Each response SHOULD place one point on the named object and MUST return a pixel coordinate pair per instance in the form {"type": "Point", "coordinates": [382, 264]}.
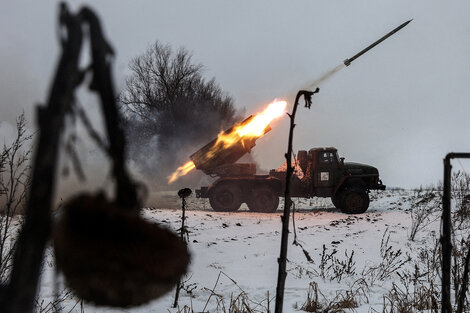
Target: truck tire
{"type": "Point", "coordinates": [336, 199]}
{"type": "Point", "coordinates": [225, 197]}
{"type": "Point", "coordinates": [263, 199]}
{"type": "Point", "coordinates": [354, 200]}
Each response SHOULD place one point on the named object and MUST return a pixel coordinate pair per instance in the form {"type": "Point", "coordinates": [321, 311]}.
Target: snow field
{"type": "Point", "coordinates": [239, 250]}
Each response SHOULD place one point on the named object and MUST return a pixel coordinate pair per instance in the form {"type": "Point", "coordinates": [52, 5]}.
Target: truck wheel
{"type": "Point", "coordinates": [354, 200]}
{"type": "Point", "coordinates": [225, 198]}
{"type": "Point", "coordinates": [263, 199]}
{"type": "Point", "coordinates": [336, 199]}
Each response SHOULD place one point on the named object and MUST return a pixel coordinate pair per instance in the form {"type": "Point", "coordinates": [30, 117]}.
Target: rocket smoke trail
{"type": "Point", "coordinates": [325, 76]}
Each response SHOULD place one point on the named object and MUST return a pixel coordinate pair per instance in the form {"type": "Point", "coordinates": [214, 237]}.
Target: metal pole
{"type": "Point", "coordinates": [446, 238]}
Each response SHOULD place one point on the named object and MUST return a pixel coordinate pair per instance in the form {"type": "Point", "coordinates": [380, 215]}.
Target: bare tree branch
{"type": "Point", "coordinates": [169, 103]}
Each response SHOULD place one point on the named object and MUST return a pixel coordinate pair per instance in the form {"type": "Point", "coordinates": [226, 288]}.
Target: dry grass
{"type": "Point", "coordinates": [316, 302]}
{"type": "Point", "coordinates": [392, 260]}
{"type": "Point", "coordinates": [423, 297]}
{"type": "Point", "coordinates": [425, 203]}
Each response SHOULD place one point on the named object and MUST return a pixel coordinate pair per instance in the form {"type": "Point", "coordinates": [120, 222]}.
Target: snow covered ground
{"type": "Point", "coordinates": [239, 251]}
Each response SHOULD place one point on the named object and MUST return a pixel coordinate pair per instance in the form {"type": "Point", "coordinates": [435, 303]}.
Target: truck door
{"type": "Point", "coordinates": [325, 172]}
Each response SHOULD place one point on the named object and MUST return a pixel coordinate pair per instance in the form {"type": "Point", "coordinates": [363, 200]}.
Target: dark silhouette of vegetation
{"type": "Point", "coordinates": [172, 107]}
{"type": "Point", "coordinates": [14, 183]}
{"type": "Point", "coordinates": [282, 261]}
{"type": "Point", "coordinates": [92, 232]}
{"type": "Point", "coordinates": [183, 194]}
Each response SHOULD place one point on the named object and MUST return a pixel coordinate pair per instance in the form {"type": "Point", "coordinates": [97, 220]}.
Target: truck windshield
{"type": "Point", "coordinates": [328, 157]}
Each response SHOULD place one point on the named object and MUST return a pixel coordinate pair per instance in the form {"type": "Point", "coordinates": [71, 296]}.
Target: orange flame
{"type": "Point", "coordinates": [255, 128]}
{"type": "Point", "coordinates": [181, 171]}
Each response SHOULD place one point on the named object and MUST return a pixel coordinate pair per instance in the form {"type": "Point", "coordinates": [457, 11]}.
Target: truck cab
{"type": "Point", "coordinates": [347, 183]}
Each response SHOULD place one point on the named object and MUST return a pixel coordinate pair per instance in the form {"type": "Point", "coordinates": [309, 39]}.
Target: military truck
{"type": "Point", "coordinates": [318, 173]}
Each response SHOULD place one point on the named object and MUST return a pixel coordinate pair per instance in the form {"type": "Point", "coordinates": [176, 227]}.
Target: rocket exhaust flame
{"type": "Point", "coordinates": [256, 127]}
{"type": "Point", "coordinates": [252, 128]}
{"type": "Point", "coordinates": [181, 171]}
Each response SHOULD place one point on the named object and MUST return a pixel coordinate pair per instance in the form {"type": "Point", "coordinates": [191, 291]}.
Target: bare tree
{"type": "Point", "coordinates": [15, 159]}
{"type": "Point", "coordinates": [171, 105]}
{"type": "Point", "coordinates": [14, 181]}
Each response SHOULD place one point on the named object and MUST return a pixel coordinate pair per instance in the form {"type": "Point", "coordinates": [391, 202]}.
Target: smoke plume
{"type": "Point", "coordinates": [325, 76]}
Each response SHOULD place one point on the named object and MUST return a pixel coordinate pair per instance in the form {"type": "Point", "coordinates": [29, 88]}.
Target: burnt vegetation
{"type": "Point", "coordinates": [171, 109]}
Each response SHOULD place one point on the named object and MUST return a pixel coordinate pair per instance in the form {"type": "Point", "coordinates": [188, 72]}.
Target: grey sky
{"type": "Point", "coordinates": [400, 107]}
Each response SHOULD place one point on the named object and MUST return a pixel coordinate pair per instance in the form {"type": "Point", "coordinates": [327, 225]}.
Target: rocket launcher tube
{"type": "Point", "coordinates": [217, 153]}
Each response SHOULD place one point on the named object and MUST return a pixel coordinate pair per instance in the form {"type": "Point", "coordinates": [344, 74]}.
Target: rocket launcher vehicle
{"type": "Point", "coordinates": [218, 158]}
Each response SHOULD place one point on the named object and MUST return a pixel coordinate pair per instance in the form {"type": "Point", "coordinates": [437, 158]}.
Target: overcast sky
{"type": "Point", "coordinates": [401, 107]}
